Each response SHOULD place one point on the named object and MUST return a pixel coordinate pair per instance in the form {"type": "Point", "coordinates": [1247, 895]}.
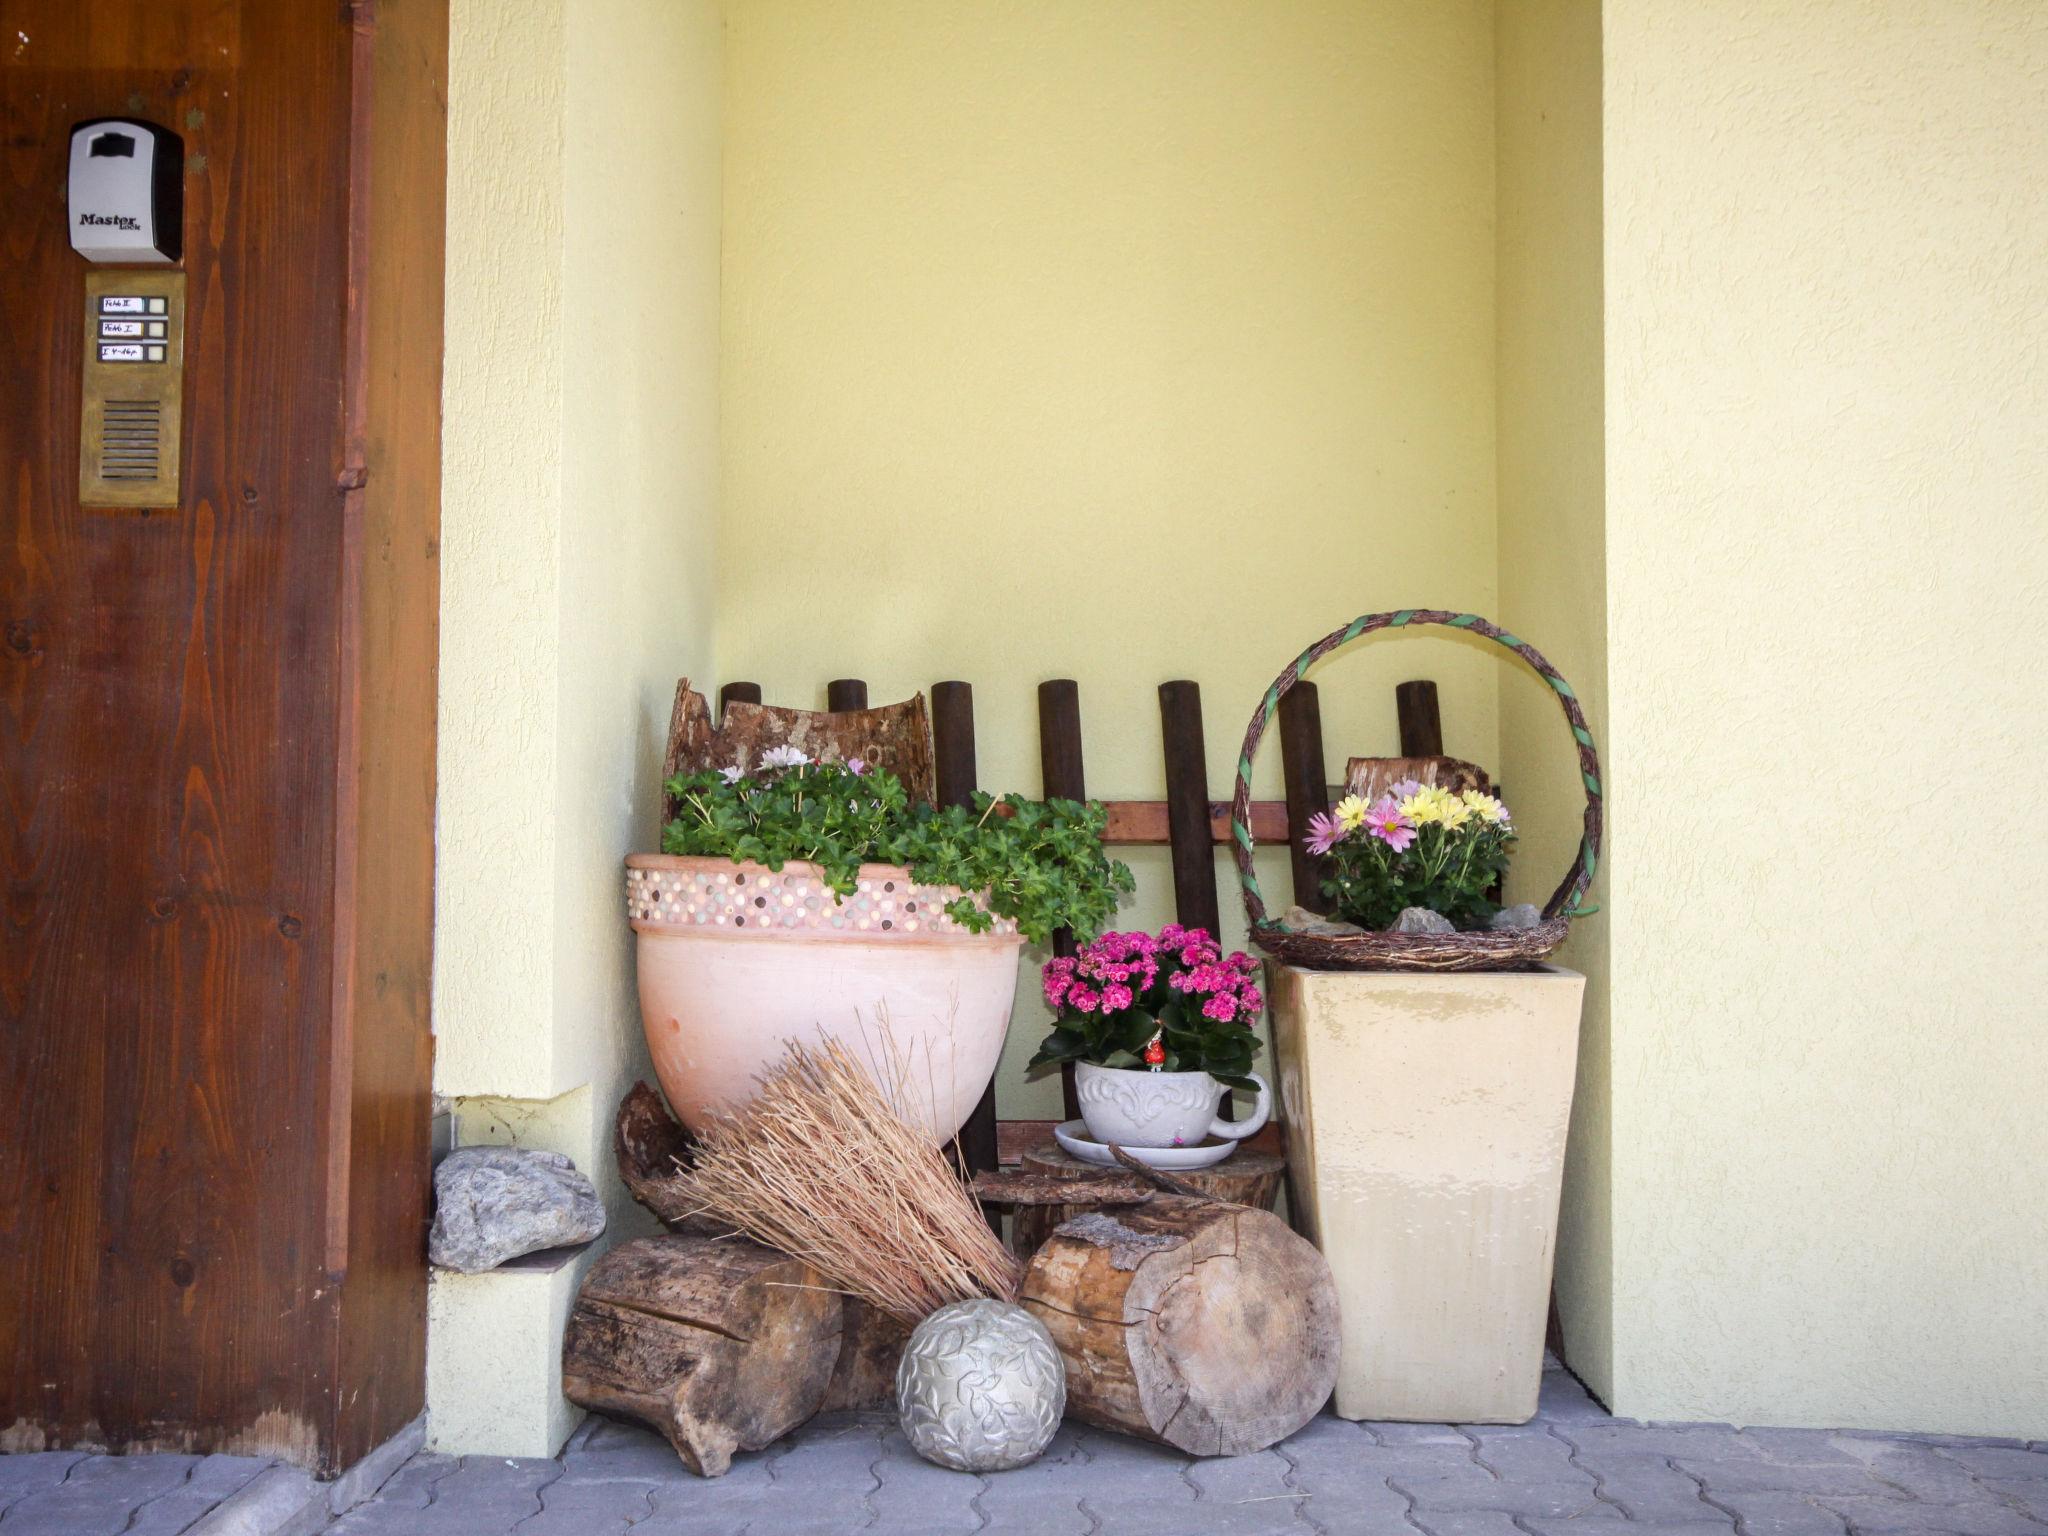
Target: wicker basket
{"type": "Point", "coordinates": [1508, 949]}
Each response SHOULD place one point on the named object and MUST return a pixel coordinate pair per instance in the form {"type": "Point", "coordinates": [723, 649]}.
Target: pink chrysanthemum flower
{"type": "Point", "coordinates": [1385, 822]}
{"type": "Point", "coordinates": [1324, 833]}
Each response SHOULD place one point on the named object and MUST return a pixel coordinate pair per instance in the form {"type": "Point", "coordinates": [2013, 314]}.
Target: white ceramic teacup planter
{"type": "Point", "coordinates": [1135, 1108]}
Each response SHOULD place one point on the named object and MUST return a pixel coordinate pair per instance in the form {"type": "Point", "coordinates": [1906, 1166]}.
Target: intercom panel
{"type": "Point", "coordinates": [134, 367]}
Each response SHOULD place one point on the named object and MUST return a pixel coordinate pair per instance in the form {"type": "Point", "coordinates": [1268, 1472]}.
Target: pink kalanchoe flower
{"type": "Point", "coordinates": [1057, 979]}
{"type": "Point", "coordinates": [1222, 1008]}
{"type": "Point", "coordinates": [1324, 833]}
{"type": "Point", "coordinates": [1116, 997]}
{"type": "Point", "coordinates": [1083, 998]}
{"type": "Point", "coordinates": [1385, 822]}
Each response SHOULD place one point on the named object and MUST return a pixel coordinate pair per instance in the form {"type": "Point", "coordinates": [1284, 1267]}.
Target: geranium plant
{"type": "Point", "coordinates": [1171, 1000]}
{"type": "Point", "coordinates": [1418, 845]}
{"type": "Point", "coordinates": [1040, 862]}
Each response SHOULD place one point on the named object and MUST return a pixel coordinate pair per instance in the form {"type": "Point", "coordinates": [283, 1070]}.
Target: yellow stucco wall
{"type": "Point", "coordinates": [1826, 260]}
{"type": "Point", "coordinates": [1122, 343]}
{"type": "Point", "coordinates": [1552, 557]}
{"type": "Point", "coordinates": [581, 413]}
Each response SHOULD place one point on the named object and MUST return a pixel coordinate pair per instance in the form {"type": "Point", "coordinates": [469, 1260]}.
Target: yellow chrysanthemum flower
{"type": "Point", "coordinates": [1350, 813]}
{"type": "Point", "coordinates": [1455, 813]}
{"type": "Point", "coordinates": [1427, 804]}
{"type": "Point", "coordinates": [1485, 807]}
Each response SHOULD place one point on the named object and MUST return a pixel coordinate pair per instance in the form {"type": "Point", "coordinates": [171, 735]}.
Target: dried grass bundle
{"type": "Point", "coordinates": [819, 1166]}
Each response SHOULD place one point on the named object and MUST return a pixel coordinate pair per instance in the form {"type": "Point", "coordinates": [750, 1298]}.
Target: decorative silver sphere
{"type": "Point", "coordinates": [981, 1387]}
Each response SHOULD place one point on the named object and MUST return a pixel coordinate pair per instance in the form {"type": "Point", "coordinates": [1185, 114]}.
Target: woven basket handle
{"type": "Point", "coordinates": [1571, 890]}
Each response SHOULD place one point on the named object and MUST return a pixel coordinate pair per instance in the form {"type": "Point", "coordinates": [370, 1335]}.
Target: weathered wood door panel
{"type": "Point", "coordinates": [181, 737]}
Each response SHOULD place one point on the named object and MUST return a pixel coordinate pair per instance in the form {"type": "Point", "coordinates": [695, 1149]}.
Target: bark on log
{"type": "Point", "coordinates": [651, 1145]}
{"type": "Point", "coordinates": [1206, 1326]}
{"type": "Point", "coordinates": [722, 1345]}
{"type": "Point", "coordinates": [1097, 1187]}
{"type": "Point", "coordinates": [897, 737]}
{"type": "Point", "coordinates": [1244, 1178]}
{"type": "Point", "coordinates": [870, 1348]}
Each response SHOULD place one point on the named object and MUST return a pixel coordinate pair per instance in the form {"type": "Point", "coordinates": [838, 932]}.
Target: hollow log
{"type": "Point", "coordinates": [1244, 1178]}
{"type": "Point", "coordinates": [722, 1345]}
{"type": "Point", "coordinates": [870, 1348]}
{"type": "Point", "coordinates": [1202, 1325]}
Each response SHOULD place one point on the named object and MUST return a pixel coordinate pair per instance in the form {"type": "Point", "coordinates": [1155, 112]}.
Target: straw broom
{"type": "Point", "coordinates": [818, 1165]}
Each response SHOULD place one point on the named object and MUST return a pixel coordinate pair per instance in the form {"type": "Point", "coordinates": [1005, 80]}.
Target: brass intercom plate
{"type": "Point", "coordinates": [134, 387]}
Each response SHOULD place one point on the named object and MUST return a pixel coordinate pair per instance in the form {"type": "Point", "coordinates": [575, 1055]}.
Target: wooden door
{"type": "Point", "coordinates": [216, 747]}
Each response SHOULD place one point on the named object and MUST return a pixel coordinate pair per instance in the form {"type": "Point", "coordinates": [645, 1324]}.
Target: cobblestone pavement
{"type": "Point", "coordinates": [1573, 1469]}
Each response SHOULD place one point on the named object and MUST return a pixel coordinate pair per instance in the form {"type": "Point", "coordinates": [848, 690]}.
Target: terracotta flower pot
{"type": "Point", "coordinates": [737, 959]}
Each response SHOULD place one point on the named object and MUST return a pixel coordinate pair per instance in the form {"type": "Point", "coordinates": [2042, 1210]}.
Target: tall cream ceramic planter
{"type": "Point", "coordinates": [1426, 1118]}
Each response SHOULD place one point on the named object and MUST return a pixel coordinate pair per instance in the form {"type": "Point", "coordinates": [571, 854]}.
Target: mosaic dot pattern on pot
{"type": "Point", "coordinates": [744, 897]}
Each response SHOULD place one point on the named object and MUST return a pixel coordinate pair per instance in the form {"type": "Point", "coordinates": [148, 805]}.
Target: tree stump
{"type": "Point", "coordinates": [1243, 1178]}
{"type": "Point", "coordinates": [1202, 1325]}
{"type": "Point", "coordinates": [870, 1348]}
{"type": "Point", "coordinates": [722, 1345]}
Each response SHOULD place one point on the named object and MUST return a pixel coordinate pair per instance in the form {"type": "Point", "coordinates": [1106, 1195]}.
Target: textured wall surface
{"type": "Point", "coordinates": [1552, 555]}
{"type": "Point", "coordinates": [582, 429]}
{"type": "Point", "coordinates": [501, 508]}
{"type": "Point", "coordinates": [1122, 343]}
{"type": "Point", "coordinates": [1827, 417]}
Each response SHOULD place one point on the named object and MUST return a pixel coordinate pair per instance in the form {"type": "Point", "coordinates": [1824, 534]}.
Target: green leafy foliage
{"type": "Point", "coordinates": [1040, 863]}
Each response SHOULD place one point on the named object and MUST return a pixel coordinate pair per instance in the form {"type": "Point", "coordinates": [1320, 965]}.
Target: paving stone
{"type": "Point", "coordinates": [1119, 1466]}
{"type": "Point", "coordinates": [1527, 1452]}
{"type": "Point", "coordinates": [1470, 1522]}
{"type": "Point", "coordinates": [1538, 1526]}
{"type": "Point", "coordinates": [1563, 1399]}
{"type": "Point", "coordinates": [1852, 1479]}
{"type": "Point", "coordinates": [629, 1453]}
{"type": "Point", "coordinates": [1800, 1447]}
{"type": "Point", "coordinates": [1716, 1442]}
{"type": "Point", "coordinates": [1781, 1514]}
{"type": "Point", "coordinates": [1923, 1471]}
{"type": "Point", "coordinates": [2022, 1493]}
{"type": "Point", "coordinates": [2000, 1460]}
{"type": "Point", "coordinates": [33, 1471]}
{"type": "Point", "coordinates": [590, 1509]}
{"type": "Point", "coordinates": [1650, 1488]}
{"type": "Point", "coordinates": [412, 1485]}
{"type": "Point", "coordinates": [1396, 1434]}
{"type": "Point", "coordinates": [477, 1494]}
{"type": "Point", "coordinates": [1235, 1479]}
{"type": "Point", "coordinates": [97, 1495]}
{"type": "Point", "coordinates": [916, 1495]}
{"type": "Point", "coordinates": [1551, 1500]}
{"type": "Point", "coordinates": [1903, 1517]}
{"type": "Point", "coordinates": [210, 1480]}
{"type": "Point", "coordinates": [1347, 1496]}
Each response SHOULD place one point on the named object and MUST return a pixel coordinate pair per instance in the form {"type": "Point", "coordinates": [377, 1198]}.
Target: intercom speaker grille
{"type": "Point", "coordinates": [131, 440]}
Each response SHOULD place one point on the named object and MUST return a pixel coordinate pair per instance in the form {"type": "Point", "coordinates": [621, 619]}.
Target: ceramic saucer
{"type": "Point", "coordinates": [1073, 1137]}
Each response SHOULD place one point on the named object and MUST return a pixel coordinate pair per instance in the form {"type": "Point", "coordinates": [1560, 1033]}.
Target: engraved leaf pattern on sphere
{"type": "Point", "coordinates": [981, 1387]}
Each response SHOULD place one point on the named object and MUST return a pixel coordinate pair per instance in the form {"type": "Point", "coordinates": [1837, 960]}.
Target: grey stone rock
{"type": "Point", "coordinates": [1301, 920]}
{"type": "Point", "coordinates": [1522, 914]}
{"type": "Point", "coordinates": [1422, 920]}
{"type": "Point", "coordinates": [497, 1203]}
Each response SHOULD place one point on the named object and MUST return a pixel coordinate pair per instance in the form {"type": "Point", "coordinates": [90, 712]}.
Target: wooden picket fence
{"type": "Point", "coordinates": [1189, 821]}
